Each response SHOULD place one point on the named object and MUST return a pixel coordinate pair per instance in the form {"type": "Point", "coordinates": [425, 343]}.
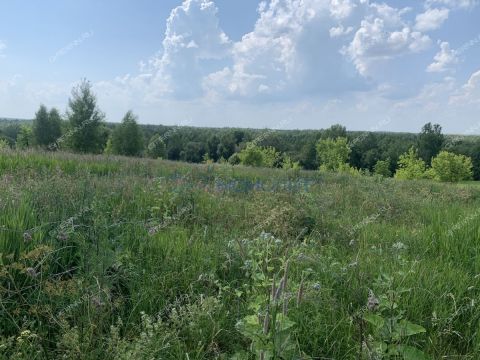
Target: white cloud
{"type": "Point", "coordinates": [340, 31]}
{"type": "Point", "coordinates": [470, 92]}
{"type": "Point", "coordinates": [431, 19]}
{"type": "Point", "coordinates": [290, 52]}
{"type": "Point", "coordinates": [376, 40]}
{"type": "Point", "coordinates": [341, 9]}
{"type": "Point", "coordinates": [193, 35]}
{"type": "Point", "coordinates": [444, 59]}
{"type": "Point", "coordinates": [455, 4]}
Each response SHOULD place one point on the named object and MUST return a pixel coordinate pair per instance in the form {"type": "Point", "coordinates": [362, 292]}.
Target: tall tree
{"type": "Point", "coordinates": [127, 138]}
{"type": "Point", "coordinates": [85, 120]}
{"type": "Point", "coordinates": [44, 133]}
{"type": "Point", "coordinates": [430, 142]}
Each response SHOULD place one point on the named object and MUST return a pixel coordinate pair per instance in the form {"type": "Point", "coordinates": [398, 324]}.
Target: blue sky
{"type": "Point", "coordinates": [370, 65]}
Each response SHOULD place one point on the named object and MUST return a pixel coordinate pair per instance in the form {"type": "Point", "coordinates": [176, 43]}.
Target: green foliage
{"type": "Point", "coordinates": [430, 142]}
{"type": "Point", "coordinates": [127, 138]}
{"type": "Point", "coordinates": [156, 148]}
{"type": "Point", "coordinates": [288, 163]}
{"type": "Point", "coordinates": [4, 145]}
{"type": "Point", "coordinates": [451, 167]}
{"type": "Point", "coordinates": [268, 327]}
{"type": "Point", "coordinates": [46, 127]}
{"type": "Point", "coordinates": [334, 132]}
{"type": "Point", "coordinates": [85, 134]}
{"type": "Point", "coordinates": [193, 152]}
{"type": "Point", "coordinates": [410, 166]}
{"type": "Point", "coordinates": [258, 156]}
{"type": "Point", "coordinates": [382, 168]}
{"type": "Point", "coordinates": [25, 138]}
{"type": "Point", "coordinates": [390, 331]}
{"type": "Point", "coordinates": [333, 154]}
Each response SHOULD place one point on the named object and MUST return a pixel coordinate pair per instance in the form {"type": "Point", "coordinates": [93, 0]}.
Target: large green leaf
{"type": "Point", "coordinates": [407, 328]}
{"type": "Point", "coordinates": [375, 320]}
{"type": "Point", "coordinates": [411, 353]}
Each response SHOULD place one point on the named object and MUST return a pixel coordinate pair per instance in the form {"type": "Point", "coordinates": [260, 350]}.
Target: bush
{"type": "Point", "coordinates": [333, 154]}
{"type": "Point", "coordinates": [258, 156]}
{"type": "Point", "coordinates": [452, 167]}
{"type": "Point", "coordinates": [410, 166]}
{"type": "Point", "coordinates": [382, 168]}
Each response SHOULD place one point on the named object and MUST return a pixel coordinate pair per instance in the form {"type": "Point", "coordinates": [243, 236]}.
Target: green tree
{"type": "Point", "coordinates": [288, 163]}
{"type": "Point", "coordinates": [212, 147]}
{"type": "Point", "coordinates": [430, 142]}
{"type": "Point", "coordinates": [127, 138]}
{"type": "Point", "coordinates": [333, 154]}
{"type": "Point", "coordinates": [334, 132]}
{"type": "Point", "coordinates": [410, 166]}
{"type": "Point", "coordinates": [251, 156]}
{"type": "Point", "coordinates": [46, 127]}
{"type": "Point", "coordinates": [258, 156]}
{"type": "Point", "coordinates": [193, 152]}
{"type": "Point", "coordinates": [382, 167]}
{"type": "Point", "coordinates": [156, 148]}
{"type": "Point", "coordinates": [85, 120]}
{"type": "Point", "coordinates": [24, 138]}
{"type": "Point", "coordinates": [4, 145]}
{"type": "Point", "coordinates": [55, 123]}
{"type": "Point", "coordinates": [308, 156]}
{"type": "Point", "coordinates": [227, 145]}
{"type": "Point", "coordinates": [447, 166]}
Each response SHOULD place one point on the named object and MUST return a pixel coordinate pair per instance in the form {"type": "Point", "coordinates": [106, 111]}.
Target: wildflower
{"type": "Point", "coordinates": [373, 302]}
{"type": "Point", "coordinates": [25, 333]}
{"type": "Point", "coordinates": [62, 236]}
{"type": "Point", "coordinates": [399, 246]}
{"type": "Point", "coordinates": [32, 272]}
{"type": "Point", "coordinates": [97, 301]}
{"type": "Point", "coordinates": [316, 286]}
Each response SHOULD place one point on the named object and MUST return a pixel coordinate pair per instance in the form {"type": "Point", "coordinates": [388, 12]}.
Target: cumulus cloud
{"type": "Point", "coordinates": [444, 59]}
{"type": "Point", "coordinates": [192, 36]}
{"type": "Point", "coordinates": [431, 19]}
{"type": "Point", "coordinates": [290, 52]}
{"type": "Point", "coordinates": [384, 35]}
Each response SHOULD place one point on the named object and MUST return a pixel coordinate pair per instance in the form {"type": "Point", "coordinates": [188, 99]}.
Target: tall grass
{"type": "Point", "coordinates": [110, 257]}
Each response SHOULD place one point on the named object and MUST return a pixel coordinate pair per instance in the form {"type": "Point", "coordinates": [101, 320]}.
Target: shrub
{"type": "Point", "coordinates": [410, 166]}
{"type": "Point", "coordinates": [382, 168]}
{"type": "Point", "coordinates": [452, 167]}
{"type": "Point", "coordinates": [258, 156]}
{"type": "Point", "coordinates": [333, 154]}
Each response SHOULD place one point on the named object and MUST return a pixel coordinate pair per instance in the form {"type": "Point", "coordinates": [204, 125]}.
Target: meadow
{"type": "Point", "coordinates": [106, 257]}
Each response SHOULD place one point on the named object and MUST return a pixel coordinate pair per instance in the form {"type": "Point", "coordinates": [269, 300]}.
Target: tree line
{"type": "Point", "coordinates": [83, 129]}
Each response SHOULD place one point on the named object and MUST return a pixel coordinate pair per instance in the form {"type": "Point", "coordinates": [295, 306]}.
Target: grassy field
{"type": "Point", "coordinates": [116, 258]}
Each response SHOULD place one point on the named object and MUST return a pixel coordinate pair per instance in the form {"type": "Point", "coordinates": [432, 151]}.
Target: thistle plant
{"type": "Point", "coordinates": [391, 333]}
{"type": "Point", "coordinates": [268, 326]}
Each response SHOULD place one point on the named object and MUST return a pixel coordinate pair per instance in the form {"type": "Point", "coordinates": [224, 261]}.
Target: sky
{"type": "Point", "coordinates": [285, 64]}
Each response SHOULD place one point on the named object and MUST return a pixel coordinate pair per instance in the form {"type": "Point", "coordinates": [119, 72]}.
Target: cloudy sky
{"type": "Point", "coordinates": [380, 66]}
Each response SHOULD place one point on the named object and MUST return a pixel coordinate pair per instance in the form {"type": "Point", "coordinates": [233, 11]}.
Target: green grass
{"type": "Point", "coordinates": [91, 245]}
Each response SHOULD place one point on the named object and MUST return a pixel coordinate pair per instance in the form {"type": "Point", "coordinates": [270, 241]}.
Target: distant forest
{"type": "Point", "coordinates": [83, 129]}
